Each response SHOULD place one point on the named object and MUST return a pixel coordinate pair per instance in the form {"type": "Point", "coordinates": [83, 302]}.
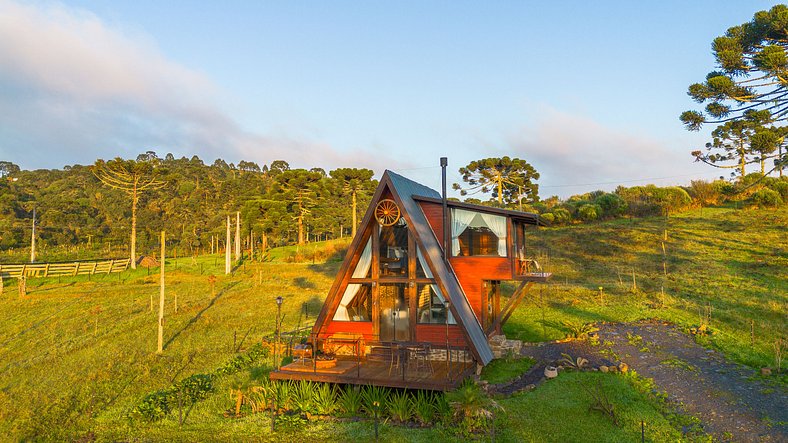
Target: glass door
{"type": "Point", "coordinates": [394, 312]}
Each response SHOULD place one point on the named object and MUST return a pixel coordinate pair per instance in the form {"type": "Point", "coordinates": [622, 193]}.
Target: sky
{"type": "Point", "coordinates": [589, 93]}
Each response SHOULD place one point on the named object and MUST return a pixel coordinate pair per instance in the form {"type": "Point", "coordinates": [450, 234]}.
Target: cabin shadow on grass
{"type": "Point", "coordinates": [194, 319]}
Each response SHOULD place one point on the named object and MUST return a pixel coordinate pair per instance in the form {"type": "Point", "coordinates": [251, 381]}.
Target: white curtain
{"type": "Point", "coordinates": [360, 272]}
{"type": "Point", "coordinates": [497, 225]}
{"type": "Point", "coordinates": [460, 220]}
{"type": "Point", "coordinates": [435, 288]}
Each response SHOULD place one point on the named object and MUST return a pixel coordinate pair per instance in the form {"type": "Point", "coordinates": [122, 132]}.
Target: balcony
{"type": "Point", "coordinates": [530, 270]}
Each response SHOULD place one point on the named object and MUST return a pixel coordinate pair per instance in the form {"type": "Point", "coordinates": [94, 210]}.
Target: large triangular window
{"type": "Point", "coordinates": [356, 303]}
{"type": "Point", "coordinates": [431, 302]}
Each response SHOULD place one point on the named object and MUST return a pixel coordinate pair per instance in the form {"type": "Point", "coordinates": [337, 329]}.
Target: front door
{"type": "Point", "coordinates": [394, 313]}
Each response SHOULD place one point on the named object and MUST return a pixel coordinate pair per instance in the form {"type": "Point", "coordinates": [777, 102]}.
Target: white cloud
{"type": "Point", "coordinates": [575, 150]}
{"type": "Point", "coordinates": [73, 88]}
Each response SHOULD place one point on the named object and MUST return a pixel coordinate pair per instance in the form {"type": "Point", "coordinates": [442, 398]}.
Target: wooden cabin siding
{"type": "Point", "coordinates": [471, 271]}
{"type": "Point", "coordinates": [434, 215]}
{"type": "Point", "coordinates": [436, 334]}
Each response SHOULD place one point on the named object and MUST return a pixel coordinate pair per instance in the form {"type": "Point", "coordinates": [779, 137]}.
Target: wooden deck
{"type": "Point", "coordinates": [377, 373]}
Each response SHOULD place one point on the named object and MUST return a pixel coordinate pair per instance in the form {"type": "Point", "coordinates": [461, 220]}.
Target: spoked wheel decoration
{"type": "Point", "coordinates": [387, 212]}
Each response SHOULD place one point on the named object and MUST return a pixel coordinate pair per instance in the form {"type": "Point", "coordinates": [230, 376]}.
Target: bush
{"type": "Point", "coordinates": [472, 407]}
{"type": "Point", "coordinates": [154, 406]}
{"type": "Point", "coordinates": [196, 387]}
{"type": "Point", "coordinates": [781, 187]}
{"type": "Point", "coordinates": [562, 216]}
{"type": "Point", "coordinates": [767, 198]}
{"type": "Point", "coordinates": [589, 212]}
{"type": "Point", "coordinates": [611, 204]}
{"type": "Point", "coordinates": [548, 217]}
{"type": "Point", "coordinates": [705, 193]}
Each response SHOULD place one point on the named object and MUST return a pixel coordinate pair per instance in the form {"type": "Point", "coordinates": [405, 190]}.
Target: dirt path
{"type": "Point", "coordinates": [731, 403]}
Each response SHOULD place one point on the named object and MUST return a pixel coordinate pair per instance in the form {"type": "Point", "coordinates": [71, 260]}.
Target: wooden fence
{"type": "Point", "coordinates": [31, 270]}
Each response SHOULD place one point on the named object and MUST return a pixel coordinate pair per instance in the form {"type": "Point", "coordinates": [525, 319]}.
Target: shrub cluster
{"type": "Point", "coordinates": [157, 405]}
{"type": "Point", "coordinates": [306, 399]}
{"type": "Point", "coordinates": [642, 201]}
{"type": "Point", "coordinates": [467, 410]}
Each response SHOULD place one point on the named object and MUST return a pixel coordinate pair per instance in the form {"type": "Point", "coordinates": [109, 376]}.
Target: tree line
{"type": "Point", "coordinates": [92, 206]}
{"type": "Point", "coordinates": [103, 206]}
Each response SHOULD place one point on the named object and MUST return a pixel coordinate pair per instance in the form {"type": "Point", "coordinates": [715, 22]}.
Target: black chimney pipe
{"type": "Point", "coordinates": [444, 163]}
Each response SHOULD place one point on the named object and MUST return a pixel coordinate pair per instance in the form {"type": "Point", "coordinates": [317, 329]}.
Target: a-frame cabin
{"type": "Point", "coordinates": [401, 313]}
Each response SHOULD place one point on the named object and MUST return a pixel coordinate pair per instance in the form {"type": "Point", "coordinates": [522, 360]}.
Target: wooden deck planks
{"type": "Point", "coordinates": [378, 374]}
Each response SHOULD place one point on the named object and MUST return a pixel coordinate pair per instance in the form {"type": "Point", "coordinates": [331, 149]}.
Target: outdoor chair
{"type": "Point", "coordinates": [419, 355]}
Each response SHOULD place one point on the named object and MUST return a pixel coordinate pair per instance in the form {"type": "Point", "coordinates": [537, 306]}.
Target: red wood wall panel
{"type": "Point", "coordinates": [472, 270]}
{"type": "Point", "coordinates": [436, 334]}
{"type": "Point", "coordinates": [434, 214]}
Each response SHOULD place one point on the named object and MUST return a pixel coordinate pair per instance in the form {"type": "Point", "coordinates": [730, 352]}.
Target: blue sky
{"type": "Point", "coordinates": [588, 92]}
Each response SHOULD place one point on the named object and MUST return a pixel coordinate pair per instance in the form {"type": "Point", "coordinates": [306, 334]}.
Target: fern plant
{"type": "Point", "coordinates": [399, 406]}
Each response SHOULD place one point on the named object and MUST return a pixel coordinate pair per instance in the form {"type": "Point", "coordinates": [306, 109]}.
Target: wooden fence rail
{"type": "Point", "coordinates": [31, 270]}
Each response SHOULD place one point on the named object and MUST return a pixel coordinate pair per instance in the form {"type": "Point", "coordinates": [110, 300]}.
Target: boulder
{"type": "Point", "coordinates": [623, 367]}
{"type": "Point", "coordinates": [604, 368]}
{"type": "Point", "coordinates": [766, 372]}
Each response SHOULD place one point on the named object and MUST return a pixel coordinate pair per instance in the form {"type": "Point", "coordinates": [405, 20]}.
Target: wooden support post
{"type": "Point", "coordinates": [227, 266]}
{"type": "Point", "coordinates": [237, 236]}
{"type": "Point", "coordinates": [160, 347]}
{"type": "Point", "coordinates": [507, 310]}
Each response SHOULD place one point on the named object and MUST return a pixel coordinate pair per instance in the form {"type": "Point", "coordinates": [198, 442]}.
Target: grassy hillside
{"type": "Point", "coordinates": [76, 355]}
{"type": "Point", "coordinates": [727, 268]}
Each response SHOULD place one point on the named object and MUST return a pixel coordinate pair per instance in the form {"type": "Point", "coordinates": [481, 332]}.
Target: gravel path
{"type": "Point", "coordinates": [731, 402]}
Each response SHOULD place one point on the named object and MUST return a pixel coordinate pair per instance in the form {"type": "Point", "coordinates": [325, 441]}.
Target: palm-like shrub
{"type": "Point", "coordinates": [399, 406]}
{"type": "Point", "coordinates": [472, 407]}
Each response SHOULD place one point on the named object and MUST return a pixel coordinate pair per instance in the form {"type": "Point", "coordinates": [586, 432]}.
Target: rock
{"type": "Point", "coordinates": [604, 368]}
{"type": "Point", "coordinates": [623, 367]}
{"type": "Point", "coordinates": [766, 372]}
{"type": "Point", "coordinates": [530, 387]}
{"type": "Point", "coordinates": [613, 368]}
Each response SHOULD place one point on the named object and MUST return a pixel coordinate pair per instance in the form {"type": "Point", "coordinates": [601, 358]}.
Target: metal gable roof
{"type": "Point", "coordinates": [407, 190]}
